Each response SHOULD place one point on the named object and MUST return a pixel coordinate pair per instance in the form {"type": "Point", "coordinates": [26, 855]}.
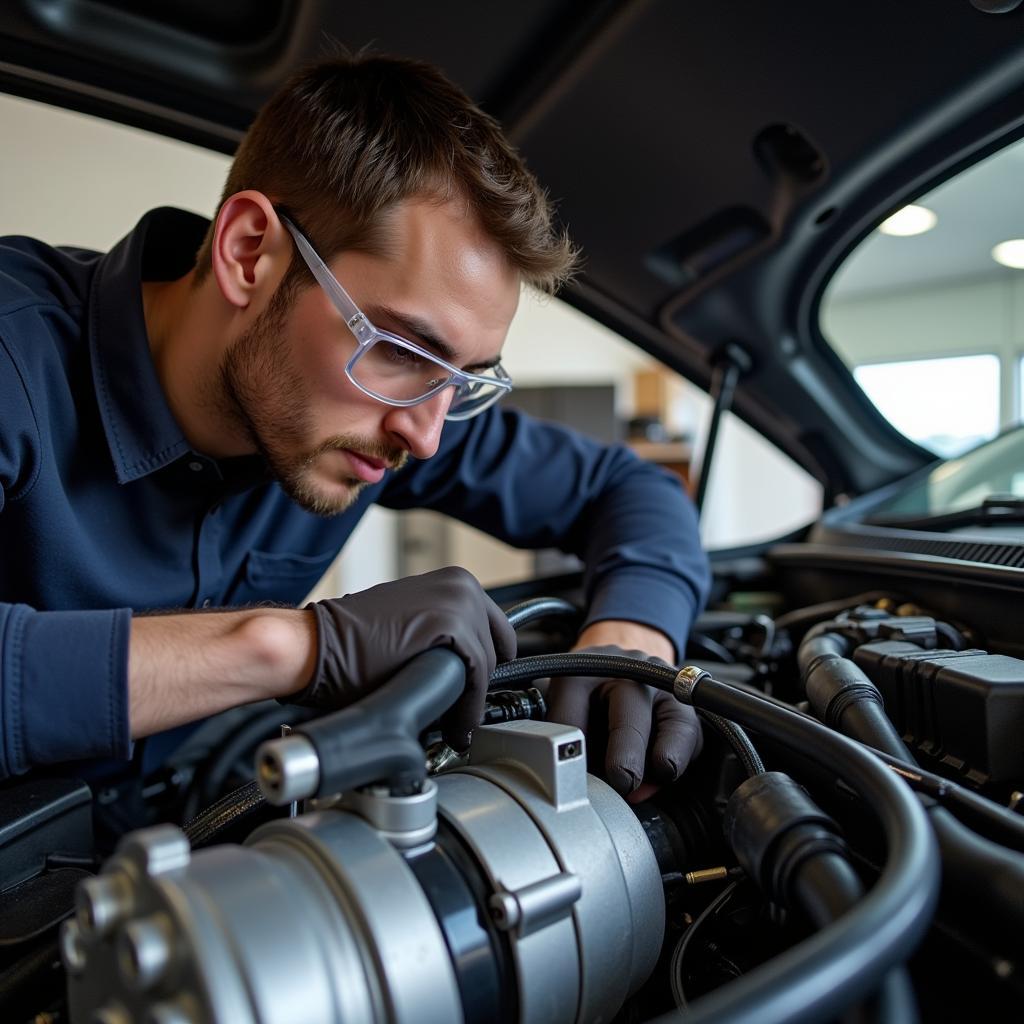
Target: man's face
{"type": "Point", "coordinates": [443, 283]}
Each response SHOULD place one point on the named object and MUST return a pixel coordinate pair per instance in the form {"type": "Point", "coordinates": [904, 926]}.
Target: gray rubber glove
{"type": "Point", "coordinates": [635, 733]}
{"type": "Point", "coordinates": [364, 638]}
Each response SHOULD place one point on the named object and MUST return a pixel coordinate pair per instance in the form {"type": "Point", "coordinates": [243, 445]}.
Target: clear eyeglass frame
{"type": "Point", "coordinates": [473, 392]}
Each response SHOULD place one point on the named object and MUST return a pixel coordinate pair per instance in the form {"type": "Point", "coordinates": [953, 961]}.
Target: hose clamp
{"type": "Point", "coordinates": [686, 681]}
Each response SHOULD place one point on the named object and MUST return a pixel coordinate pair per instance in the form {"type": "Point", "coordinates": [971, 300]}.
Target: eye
{"type": "Point", "coordinates": [401, 356]}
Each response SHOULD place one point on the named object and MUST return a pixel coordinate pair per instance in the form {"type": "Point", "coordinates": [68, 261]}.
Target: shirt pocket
{"type": "Point", "coordinates": [279, 576]}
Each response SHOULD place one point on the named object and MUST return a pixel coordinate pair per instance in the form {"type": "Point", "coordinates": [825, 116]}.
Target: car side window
{"type": "Point", "coordinates": [926, 311]}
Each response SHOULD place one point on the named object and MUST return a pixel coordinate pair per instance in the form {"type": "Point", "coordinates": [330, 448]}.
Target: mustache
{"type": "Point", "coordinates": [394, 458]}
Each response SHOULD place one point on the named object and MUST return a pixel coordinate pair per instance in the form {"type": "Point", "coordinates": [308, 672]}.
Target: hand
{"type": "Point", "coordinates": [635, 733]}
{"type": "Point", "coordinates": [364, 638]}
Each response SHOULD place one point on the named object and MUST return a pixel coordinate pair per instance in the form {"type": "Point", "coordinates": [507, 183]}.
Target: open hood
{"type": "Point", "coordinates": [715, 160]}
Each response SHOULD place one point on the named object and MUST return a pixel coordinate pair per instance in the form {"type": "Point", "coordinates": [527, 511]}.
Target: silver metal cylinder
{"type": "Point", "coordinates": [539, 770]}
{"type": "Point", "coordinates": [322, 918]}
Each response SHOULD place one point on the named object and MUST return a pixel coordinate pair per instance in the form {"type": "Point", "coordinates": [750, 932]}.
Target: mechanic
{"type": "Point", "coordinates": [187, 434]}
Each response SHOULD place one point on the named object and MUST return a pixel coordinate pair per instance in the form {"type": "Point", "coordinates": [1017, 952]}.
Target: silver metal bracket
{"type": "Point", "coordinates": [555, 755]}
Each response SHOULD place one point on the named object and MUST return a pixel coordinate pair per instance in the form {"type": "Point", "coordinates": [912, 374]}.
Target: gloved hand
{"type": "Point", "coordinates": [364, 638]}
{"type": "Point", "coordinates": [634, 733]}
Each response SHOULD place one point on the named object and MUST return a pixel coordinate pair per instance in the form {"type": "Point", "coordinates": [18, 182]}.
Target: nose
{"type": "Point", "coordinates": [417, 428]}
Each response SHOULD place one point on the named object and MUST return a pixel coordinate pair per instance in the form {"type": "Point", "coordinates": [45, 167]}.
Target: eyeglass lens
{"type": "Point", "coordinates": [401, 374]}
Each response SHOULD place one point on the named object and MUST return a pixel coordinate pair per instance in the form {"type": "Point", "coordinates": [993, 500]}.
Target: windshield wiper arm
{"type": "Point", "coordinates": [995, 509]}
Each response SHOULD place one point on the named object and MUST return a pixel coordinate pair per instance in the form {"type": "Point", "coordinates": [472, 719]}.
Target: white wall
{"type": "Point", "coordinates": [76, 180]}
{"type": "Point", "coordinates": [984, 315]}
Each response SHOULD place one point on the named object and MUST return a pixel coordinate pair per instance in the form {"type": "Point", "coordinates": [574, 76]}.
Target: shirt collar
{"type": "Point", "coordinates": [141, 430]}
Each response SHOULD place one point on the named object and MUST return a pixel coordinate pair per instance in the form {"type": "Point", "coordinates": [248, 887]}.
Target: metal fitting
{"type": "Point", "coordinates": [535, 906]}
{"type": "Point", "coordinates": [156, 851]}
{"type": "Point", "coordinates": [72, 951]}
{"type": "Point", "coordinates": [686, 681]}
{"type": "Point", "coordinates": [144, 952]}
{"type": "Point", "coordinates": [707, 875]}
{"type": "Point", "coordinates": [288, 769]}
{"type": "Point", "coordinates": [405, 821]}
{"type": "Point", "coordinates": [102, 903]}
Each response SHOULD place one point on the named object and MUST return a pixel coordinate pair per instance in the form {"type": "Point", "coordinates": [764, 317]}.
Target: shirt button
{"type": "Point", "coordinates": [195, 466]}
{"type": "Point", "coordinates": [207, 602]}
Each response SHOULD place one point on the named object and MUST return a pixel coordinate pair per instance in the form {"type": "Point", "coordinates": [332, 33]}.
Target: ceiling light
{"type": "Point", "coordinates": [1010, 253]}
{"type": "Point", "coordinates": [911, 220]}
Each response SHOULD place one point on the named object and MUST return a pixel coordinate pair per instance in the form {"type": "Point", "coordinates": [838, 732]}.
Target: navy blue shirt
{"type": "Point", "coordinates": [105, 508]}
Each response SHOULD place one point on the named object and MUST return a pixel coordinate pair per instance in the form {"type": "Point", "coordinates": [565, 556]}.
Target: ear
{"type": "Point", "coordinates": [251, 249]}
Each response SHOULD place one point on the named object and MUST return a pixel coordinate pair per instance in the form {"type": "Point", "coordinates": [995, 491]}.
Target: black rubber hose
{"type": "Point", "coordinates": [829, 609]}
{"type": "Point", "coordinates": [979, 877]}
{"type": "Point", "coordinates": [826, 887]}
{"type": "Point", "coordinates": [988, 819]}
{"type": "Point", "coordinates": [621, 667]}
{"type": "Point", "coordinates": [977, 873]}
{"type": "Point", "coordinates": [955, 640]}
{"type": "Point", "coordinates": [377, 738]}
{"type": "Point", "coordinates": [895, 1002]}
{"type": "Point", "coordinates": [845, 962]}
{"type": "Point", "coordinates": [541, 608]}
{"type": "Point", "coordinates": [738, 740]}
{"type": "Point", "coordinates": [214, 772]}
{"type": "Point", "coordinates": [843, 696]}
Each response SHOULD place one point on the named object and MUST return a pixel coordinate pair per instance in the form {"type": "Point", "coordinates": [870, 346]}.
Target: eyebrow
{"type": "Point", "coordinates": [423, 332]}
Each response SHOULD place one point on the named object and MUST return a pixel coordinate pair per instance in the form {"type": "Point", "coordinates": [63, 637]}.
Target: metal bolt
{"type": "Point", "coordinates": [71, 949]}
{"type": "Point", "coordinates": [144, 951]}
{"type": "Point", "coordinates": [103, 902]}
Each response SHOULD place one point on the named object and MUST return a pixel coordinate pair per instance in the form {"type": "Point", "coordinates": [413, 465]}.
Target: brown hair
{"type": "Point", "coordinates": [346, 139]}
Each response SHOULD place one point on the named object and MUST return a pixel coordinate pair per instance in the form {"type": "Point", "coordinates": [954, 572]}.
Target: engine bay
{"type": "Point", "coordinates": [848, 842]}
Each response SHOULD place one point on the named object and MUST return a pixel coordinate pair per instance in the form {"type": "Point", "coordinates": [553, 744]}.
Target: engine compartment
{"type": "Point", "coordinates": [369, 873]}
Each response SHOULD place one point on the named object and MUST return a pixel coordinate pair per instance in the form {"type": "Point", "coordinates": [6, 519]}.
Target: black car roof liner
{"type": "Point", "coordinates": [715, 161]}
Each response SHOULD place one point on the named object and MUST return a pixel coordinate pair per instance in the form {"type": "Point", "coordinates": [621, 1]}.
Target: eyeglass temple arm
{"type": "Point", "coordinates": [330, 284]}
{"type": "Point", "coordinates": [349, 310]}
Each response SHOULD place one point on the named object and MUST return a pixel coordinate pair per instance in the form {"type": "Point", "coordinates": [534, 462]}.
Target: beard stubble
{"type": "Point", "coordinates": [260, 390]}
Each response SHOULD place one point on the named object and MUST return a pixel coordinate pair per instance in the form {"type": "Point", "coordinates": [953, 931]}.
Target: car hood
{"type": "Point", "coordinates": [715, 161]}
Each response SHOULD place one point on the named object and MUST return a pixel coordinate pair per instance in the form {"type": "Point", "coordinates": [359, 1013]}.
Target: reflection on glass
{"type": "Point", "coordinates": [992, 472]}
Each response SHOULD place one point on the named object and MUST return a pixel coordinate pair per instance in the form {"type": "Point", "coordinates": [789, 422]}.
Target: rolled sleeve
{"type": "Point", "coordinates": [63, 686]}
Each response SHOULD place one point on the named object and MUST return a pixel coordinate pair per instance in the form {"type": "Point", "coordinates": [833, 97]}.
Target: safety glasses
{"type": "Point", "coordinates": [396, 371]}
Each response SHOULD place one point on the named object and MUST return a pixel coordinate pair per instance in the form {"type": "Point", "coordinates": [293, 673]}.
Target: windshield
{"type": "Point", "coordinates": [928, 311]}
{"type": "Point", "coordinates": [994, 469]}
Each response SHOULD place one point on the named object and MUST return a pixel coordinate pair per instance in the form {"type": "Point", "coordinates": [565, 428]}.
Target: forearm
{"type": "Point", "coordinates": [630, 636]}
{"type": "Point", "coordinates": [187, 666]}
